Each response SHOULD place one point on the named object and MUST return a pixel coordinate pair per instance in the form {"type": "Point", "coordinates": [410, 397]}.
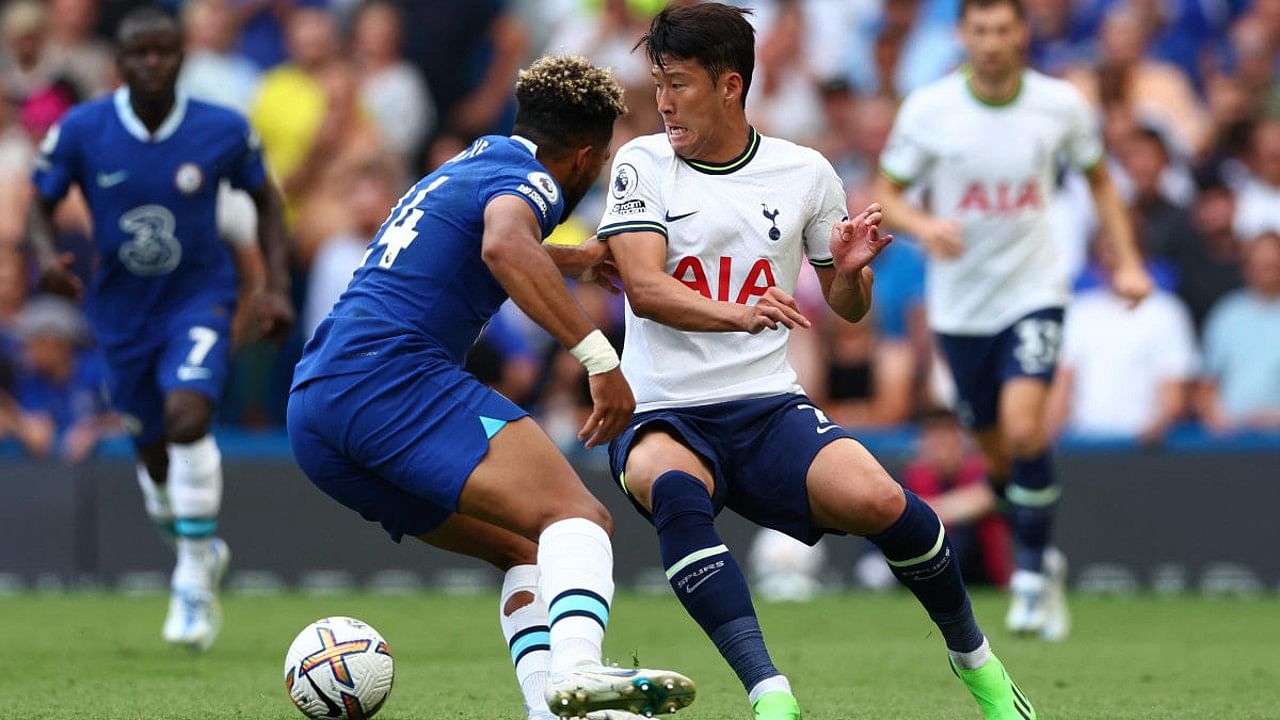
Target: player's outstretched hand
{"type": "Point", "coordinates": [597, 266]}
{"type": "Point", "coordinates": [943, 239]}
{"type": "Point", "coordinates": [275, 315]}
{"type": "Point", "coordinates": [58, 279]}
{"type": "Point", "coordinates": [855, 243]}
{"type": "Point", "coordinates": [1132, 283]}
{"type": "Point", "coordinates": [774, 308]}
{"type": "Point", "coordinates": [612, 407]}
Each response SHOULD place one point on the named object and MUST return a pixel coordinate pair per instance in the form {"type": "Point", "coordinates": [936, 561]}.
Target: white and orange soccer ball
{"type": "Point", "coordinates": [339, 668]}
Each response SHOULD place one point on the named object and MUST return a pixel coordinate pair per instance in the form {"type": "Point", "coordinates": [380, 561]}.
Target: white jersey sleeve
{"type": "Point", "coordinates": [1083, 142]}
{"type": "Point", "coordinates": [830, 206]}
{"type": "Point", "coordinates": [635, 202]}
{"type": "Point", "coordinates": [908, 155]}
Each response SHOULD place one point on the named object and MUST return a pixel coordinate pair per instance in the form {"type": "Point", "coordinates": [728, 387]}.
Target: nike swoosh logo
{"type": "Point", "coordinates": [828, 428]}
{"type": "Point", "coordinates": [106, 180]}
{"type": "Point", "coordinates": [673, 218]}
{"type": "Point", "coordinates": [694, 586]}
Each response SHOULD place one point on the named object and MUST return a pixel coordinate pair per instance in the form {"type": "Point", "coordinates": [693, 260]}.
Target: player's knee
{"type": "Point", "coordinates": [1025, 437]}
{"type": "Point", "coordinates": [884, 505]}
{"type": "Point", "coordinates": [587, 508]}
{"type": "Point", "coordinates": [182, 428]}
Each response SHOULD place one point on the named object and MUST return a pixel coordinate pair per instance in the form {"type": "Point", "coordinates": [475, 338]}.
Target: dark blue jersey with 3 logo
{"type": "Point", "coordinates": [153, 198]}
{"type": "Point", "coordinates": [423, 286]}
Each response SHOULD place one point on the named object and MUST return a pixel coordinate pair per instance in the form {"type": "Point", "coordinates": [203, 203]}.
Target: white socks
{"type": "Point", "coordinates": [195, 494]}
{"type": "Point", "coordinates": [768, 685]}
{"type": "Point", "coordinates": [527, 635]}
{"type": "Point", "coordinates": [973, 659]}
{"type": "Point", "coordinates": [575, 562]}
{"type": "Point", "coordinates": [155, 498]}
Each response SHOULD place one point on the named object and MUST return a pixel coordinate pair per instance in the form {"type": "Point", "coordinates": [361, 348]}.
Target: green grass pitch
{"type": "Point", "coordinates": [99, 656]}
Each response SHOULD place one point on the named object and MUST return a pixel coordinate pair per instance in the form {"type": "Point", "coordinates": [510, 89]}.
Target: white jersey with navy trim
{"type": "Point", "coordinates": [991, 168]}
{"type": "Point", "coordinates": [733, 231]}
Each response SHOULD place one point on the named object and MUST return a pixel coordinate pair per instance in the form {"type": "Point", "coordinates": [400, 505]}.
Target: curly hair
{"type": "Point", "coordinates": [564, 101]}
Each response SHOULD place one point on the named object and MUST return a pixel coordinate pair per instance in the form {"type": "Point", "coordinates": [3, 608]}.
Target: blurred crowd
{"type": "Point", "coordinates": [356, 99]}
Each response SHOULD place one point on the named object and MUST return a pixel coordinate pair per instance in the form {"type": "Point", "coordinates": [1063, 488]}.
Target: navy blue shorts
{"type": "Point", "coordinates": [982, 364]}
{"type": "Point", "coordinates": [759, 450]}
{"type": "Point", "coordinates": [191, 352]}
{"type": "Point", "coordinates": [396, 445]}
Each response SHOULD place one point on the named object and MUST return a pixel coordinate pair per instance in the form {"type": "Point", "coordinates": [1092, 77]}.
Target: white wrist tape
{"type": "Point", "coordinates": [595, 353]}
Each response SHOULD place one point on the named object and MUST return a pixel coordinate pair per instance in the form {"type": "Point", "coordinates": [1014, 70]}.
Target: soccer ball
{"type": "Point", "coordinates": [338, 668]}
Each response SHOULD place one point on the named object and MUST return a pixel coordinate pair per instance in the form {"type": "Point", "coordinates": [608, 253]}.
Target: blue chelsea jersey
{"type": "Point", "coordinates": [423, 287]}
{"type": "Point", "coordinates": [153, 199]}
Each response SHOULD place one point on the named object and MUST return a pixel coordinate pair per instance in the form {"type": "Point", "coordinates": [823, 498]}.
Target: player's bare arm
{"type": "Point", "coordinates": [55, 269]}
{"type": "Point", "coordinates": [854, 244]}
{"type": "Point", "coordinates": [654, 295]}
{"type": "Point", "coordinates": [1130, 279]}
{"type": "Point", "coordinates": [588, 261]}
{"type": "Point", "coordinates": [512, 250]}
{"type": "Point", "coordinates": [272, 306]}
{"type": "Point", "coordinates": [941, 238]}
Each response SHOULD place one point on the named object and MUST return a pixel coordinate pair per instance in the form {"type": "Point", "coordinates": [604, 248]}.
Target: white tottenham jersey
{"type": "Point", "coordinates": [733, 231]}
{"type": "Point", "coordinates": [991, 168]}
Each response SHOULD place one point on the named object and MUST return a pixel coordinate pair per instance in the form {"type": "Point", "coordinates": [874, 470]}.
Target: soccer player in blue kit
{"type": "Point", "coordinates": [384, 419]}
{"type": "Point", "coordinates": [148, 161]}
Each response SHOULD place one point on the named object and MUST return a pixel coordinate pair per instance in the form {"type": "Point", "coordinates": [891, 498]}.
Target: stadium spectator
{"type": "Point", "coordinates": [1258, 199]}
{"type": "Point", "coordinates": [1058, 40]}
{"type": "Point", "coordinates": [468, 51]}
{"type": "Point", "coordinates": [902, 48]}
{"type": "Point", "coordinates": [391, 89]}
{"type": "Point", "coordinates": [16, 155]}
{"type": "Point", "coordinates": [213, 69]}
{"type": "Point", "coordinates": [605, 32]}
{"type": "Point", "coordinates": [61, 395]}
{"type": "Point", "coordinates": [1125, 370]}
{"type": "Point", "coordinates": [311, 125]}
{"type": "Point", "coordinates": [1242, 347]}
{"type": "Point", "coordinates": [372, 192]}
{"type": "Point", "coordinates": [950, 476]}
{"type": "Point", "coordinates": [28, 66]}
{"type": "Point", "coordinates": [1206, 260]}
{"type": "Point", "coordinates": [1160, 221]}
{"type": "Point", "coordinates": [784, 98]}
{"type": "Point", "coordinates": [84, 59]}
{"type": "Point", "coordinates": [1154, 92]}
{"type": "Point", "coordinates": [264, 28]}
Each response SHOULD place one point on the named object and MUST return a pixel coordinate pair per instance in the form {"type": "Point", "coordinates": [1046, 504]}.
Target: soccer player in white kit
{"type": "Point", "coordinates": [709, 225]}
{"type": "Point", "coordinates": [985, 140]}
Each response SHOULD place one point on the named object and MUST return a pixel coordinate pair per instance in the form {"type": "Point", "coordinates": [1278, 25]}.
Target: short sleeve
{"type": "Point", "coordinates": [830, 207]}
{"type": "Point", "coordinates": [1217, 331]}
{"type": "Point", "coordinates": [1083, 142]}
{"type": "Point", "coordinates": [57, 164]}
{"type": "Point", "coordinates": [248, 172]}
{"type": "Point", "coordinates": [634, 203]}
{"type": "Point", "coordinates": [907, 155]}
{"type": "Point", "coordinates": [536, 187]}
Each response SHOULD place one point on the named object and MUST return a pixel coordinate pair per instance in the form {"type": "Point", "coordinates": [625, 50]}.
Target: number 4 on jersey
{"type": "Point", "coordinates": [402, 229]}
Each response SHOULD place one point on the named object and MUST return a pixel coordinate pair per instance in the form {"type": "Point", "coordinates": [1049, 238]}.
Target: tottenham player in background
{"type": "Point", "coordinates": [148, 161]}
{"type": "Point", "coordinates": [709, 225]}
{"type": "Point", "coordinates": [385, 420]}
{"type": "Point", "coordinates": [986, 141]}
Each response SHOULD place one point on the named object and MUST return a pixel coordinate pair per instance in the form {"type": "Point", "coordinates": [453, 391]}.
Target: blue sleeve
{"type": "Point", "coordinates": [248, 172]}
{"type": "Point", "coordinates": [538, 189]}
{"type": "Point", "coordinates": [58, 164]}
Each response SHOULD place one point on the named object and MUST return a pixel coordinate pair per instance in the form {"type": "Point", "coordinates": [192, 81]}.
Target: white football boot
{"type": "Point", "coordinates": [195, 615]}
{"type": "Point", "coordinates": [596, 688]}
{"type": "Point", "coordinates": [1057, 619]}
{"type": "Point", "coordinates": [1026, 614]}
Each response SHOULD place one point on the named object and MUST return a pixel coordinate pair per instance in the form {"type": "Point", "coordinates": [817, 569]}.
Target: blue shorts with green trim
{"type": "Point", "coordinates": [396, 445]}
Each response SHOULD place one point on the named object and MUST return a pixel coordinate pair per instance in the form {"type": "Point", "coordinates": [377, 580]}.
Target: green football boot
{"type": "Point", "coordinates": [777, 705]}
{"type": "Point", "coordinates": [997, 694]}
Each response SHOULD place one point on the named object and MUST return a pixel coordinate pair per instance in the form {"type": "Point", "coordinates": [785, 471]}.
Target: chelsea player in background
{"type": "Point", "coordinates": [384, 419]}
{"type": "Point", "coordinates": [163, 294]}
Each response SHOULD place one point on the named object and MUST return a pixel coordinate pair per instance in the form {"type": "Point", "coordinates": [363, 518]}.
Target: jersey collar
{"type": "Point", "coordinates": [529, 144]}
{"type": "Point", "coordinates": [967, 71]}
{"type": "Point", "coordinates": [134, 124]}
{"type": "Point", "coordinates": [753, 145]}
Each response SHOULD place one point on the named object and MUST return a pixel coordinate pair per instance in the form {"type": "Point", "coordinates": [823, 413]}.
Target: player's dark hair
{"type": "Point", "coordinates": [146, 16]}
{"type": "Point", "coordinates": [1018, 9]}
{"type": "Point", "coordinates": [564, 102]}
{"type": "Point", "coordinates": [716, 36]}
